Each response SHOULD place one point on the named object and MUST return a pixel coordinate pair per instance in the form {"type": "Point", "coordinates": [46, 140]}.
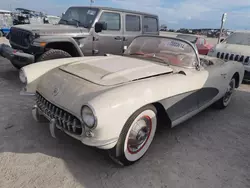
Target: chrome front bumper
{"type": "Point", "coordinates": [86, 137]}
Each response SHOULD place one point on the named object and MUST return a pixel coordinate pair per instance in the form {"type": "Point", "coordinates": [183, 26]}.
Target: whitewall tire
{"type": "Point", "coordinates": [226, 99]}
{"type": "Point", "coordinates": [136, 136]}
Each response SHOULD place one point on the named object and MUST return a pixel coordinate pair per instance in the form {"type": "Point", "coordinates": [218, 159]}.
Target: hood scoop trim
{"type": "Point", "coordinates": [153, 76]}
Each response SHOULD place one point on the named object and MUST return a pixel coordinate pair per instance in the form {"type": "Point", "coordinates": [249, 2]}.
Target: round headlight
{"type": "Point", "coordinates": [31, 38]}
{"type": "Point", "coordinates": [22, 76]}
{"type": "Point", "coordinates": [88, 117]}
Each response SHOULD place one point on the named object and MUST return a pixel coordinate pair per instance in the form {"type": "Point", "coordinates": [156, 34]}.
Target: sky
{"type": "Point", "coordinates": [174, 13]}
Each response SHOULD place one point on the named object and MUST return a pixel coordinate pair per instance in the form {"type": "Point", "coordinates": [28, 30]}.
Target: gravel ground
{"type": "Point", "coordinates": [211, 150]}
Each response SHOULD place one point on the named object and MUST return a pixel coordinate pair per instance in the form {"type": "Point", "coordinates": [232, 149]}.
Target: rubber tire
{"type": "Point", "coordinates": [53, 54]}
{"type": "Point", "coordinates": [220, 104]}
{"type": "Point", "coordinates": [117, 153]}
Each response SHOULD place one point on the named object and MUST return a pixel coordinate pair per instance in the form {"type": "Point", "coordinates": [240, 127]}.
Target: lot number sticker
{"type": "Point", "coordinates": [176, 44]}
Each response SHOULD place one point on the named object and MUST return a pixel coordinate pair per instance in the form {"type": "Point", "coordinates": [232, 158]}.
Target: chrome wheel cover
{"type": "Point", "coordinates": [139, 134]}
{"type": "Point", "coordinates": [229, 92]}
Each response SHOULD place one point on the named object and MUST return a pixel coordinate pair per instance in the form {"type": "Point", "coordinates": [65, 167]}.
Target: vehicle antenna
{"type": "Point", "coordinates": [91, 2]}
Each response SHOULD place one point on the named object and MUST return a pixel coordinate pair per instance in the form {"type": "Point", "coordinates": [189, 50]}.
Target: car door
{"type": "Point", "coordinates": [110, 40]}
{"type": "Point", "coordinates": [214, 86]}
{"type": "Point", "coordinates": [132, 27]}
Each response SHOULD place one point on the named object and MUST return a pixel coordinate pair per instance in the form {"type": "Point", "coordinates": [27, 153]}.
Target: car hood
{"type": "Point", "coordinates": [114, 70]}
{"type": "Point", "coordinates": [50, 29]}
{"type": "Point", "coordinates": [233, 48]}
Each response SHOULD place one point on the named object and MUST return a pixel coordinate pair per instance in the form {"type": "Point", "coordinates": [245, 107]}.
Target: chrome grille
{"type": "Point", "coordinates": [226, 56]}
{"type": "Point", "coordinates": [63, 118]}
{"type": "Point", "coordinates": [19, 37]}
{"type": "Point", "coordinates": [234, 57]}
{"type": "Point", "coordinates": [218, 55]}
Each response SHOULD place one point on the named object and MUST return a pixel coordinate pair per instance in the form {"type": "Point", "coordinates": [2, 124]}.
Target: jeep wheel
{"type": "Point", "coordinates": [53, 54]}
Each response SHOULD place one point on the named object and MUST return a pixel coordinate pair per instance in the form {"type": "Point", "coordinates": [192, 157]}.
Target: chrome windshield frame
{"type": "Point", "coordinates": [197, 67]}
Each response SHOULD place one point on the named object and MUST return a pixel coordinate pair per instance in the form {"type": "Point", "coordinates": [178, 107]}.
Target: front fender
{"type": "Point", "coordinates": [114, 107]}
{"type": "Point", "coordinates": [34, 72]}
{"type": "Point", "coordinates": [233, 67]}
{"type": "Point", "coordinates": [57, 39]}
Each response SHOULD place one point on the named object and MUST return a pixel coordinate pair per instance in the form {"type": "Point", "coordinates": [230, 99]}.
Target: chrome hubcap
{"type": "Point", "coordinates": [139, 134]}
{"type": "Point", "coordinates": [229, 92]}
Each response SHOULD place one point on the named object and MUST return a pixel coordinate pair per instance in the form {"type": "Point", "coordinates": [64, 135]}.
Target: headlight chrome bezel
{"type": "Point", "coordinates": [92, 114]}
{"type": "Point", "coordinates": [23, 76]}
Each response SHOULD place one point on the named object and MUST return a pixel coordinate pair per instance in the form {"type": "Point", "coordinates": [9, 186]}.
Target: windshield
{"type": "Point", "coordinates": [169, 51]}
{"type": "Point", "coordinates": [81, 16]}
{"type": "Point", "coordinates": [189, 38]}
{"type": "Point", "coordinates": [238, 38]}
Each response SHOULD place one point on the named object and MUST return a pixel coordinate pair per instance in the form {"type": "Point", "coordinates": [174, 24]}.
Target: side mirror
{"type": "Point", "coordinates": [221, 40]}
{"type": "Point", "coordinates": [99, 26]}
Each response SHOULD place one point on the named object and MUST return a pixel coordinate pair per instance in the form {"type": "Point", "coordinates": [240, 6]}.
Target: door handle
{"type": "Point", "coordinates": [118, 38]}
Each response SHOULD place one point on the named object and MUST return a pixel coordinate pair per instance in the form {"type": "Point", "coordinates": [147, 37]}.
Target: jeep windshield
{"type": "Point", "coordinates": [164, 50]}
{"type": "Point", "coordinates": [238, 38]}
{"type": "Point", "coordinates": [79, 16]}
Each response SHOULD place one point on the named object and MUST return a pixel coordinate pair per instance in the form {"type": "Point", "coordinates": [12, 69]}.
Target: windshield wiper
{"type": "Point", "coordinates": [64, 20]}
{"type": "Point", "coordinates": [80, 23]}
{"type": "Point", "coordinates": [136, 54]}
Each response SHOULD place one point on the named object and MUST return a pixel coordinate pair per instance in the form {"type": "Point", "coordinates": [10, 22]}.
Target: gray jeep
{"type": "Point", "coordinates": [82, 31]}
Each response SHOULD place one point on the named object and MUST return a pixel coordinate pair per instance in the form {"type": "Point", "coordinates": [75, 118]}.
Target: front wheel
{"type": "Point", "coordinates": [226, 99]}
{"type": "Point", "coordinates": [53, 54]}
{"type": "Point", "coordinates": [136, 136]}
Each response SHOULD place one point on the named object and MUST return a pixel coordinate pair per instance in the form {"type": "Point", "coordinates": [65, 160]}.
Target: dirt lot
{"type": "Point", "coordinates": [212, 150]}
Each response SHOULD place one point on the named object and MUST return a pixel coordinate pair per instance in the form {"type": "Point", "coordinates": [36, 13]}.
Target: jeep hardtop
{"type": "Point", "coordinates": [82, 31]}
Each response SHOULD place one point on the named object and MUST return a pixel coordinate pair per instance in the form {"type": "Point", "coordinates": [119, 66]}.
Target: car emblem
{"type": "Point", "coordinates": [56, 91]}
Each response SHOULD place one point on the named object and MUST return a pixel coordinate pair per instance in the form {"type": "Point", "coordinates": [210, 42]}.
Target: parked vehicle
{"type": "Point", "coordinates": [199, 41]}
{"type": "Point", "coordinates": [236, 47]}
{"type": "Point", "coordinates": [82, 31]}
{"type": "Point", "coordinates": [6, 22]}
{"type": "Point", "coordinates": [115, 102]}
{"type": "Point", "coordinates": [25, 16]}
{"type": "Point", "coordinates": [53, 19]}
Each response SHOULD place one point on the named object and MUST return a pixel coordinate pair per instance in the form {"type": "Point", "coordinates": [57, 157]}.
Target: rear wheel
{"type": "Point", "coordinates": [226, 99]}
{"type": "Point", "coordinates": [53, 54]}
{"type": "Point", "coordinates": [136, 136]}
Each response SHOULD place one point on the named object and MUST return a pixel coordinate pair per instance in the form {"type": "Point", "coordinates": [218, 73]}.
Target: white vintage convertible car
{"type": "Point", "coordinates": [236, 47]}
{"type": "Point", "coordinates": [116, 102]}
